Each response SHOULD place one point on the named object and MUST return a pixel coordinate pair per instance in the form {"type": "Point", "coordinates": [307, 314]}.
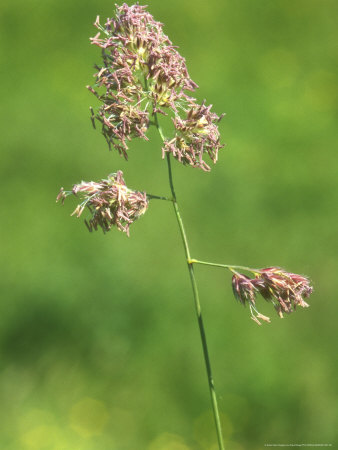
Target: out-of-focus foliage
{"type": "Point", "coordinates": [98, 336]}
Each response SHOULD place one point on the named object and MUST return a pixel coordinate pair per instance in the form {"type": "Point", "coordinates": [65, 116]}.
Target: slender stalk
{"type": "Point", "coordinates": [158, 126]}
{"type": "Point", "coordinates": [225, 266]}
{"type": "Point", "coordinates": [196, 300]}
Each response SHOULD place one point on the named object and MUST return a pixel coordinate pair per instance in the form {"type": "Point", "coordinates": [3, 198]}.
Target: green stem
{"type": "Point", "coordinates": [225, 266]}
{"type": "Point", "coordinates": [196, 300]}
{"type": "Point", "coordinates": [158, 126]}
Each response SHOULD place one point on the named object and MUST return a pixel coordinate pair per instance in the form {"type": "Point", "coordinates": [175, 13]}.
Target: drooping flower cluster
{"type": "Point", "coordinates": [142, 74]}
{"type": "Point", "coordinates": [283, 289]}
{"type": "Point", "coordinates": [109, 201]}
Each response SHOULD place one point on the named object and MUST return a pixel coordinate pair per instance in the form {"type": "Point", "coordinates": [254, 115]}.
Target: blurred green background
{"type": "Point", "coordinates": [98, 336]}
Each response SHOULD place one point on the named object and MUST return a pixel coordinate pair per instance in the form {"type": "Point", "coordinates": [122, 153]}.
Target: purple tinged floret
{"type": "Point", "coordinates": [142, 74]}
{"type": "Point", "coordinates": [109, 201]}
{"type": "Point", "coordinates": [283, 289]}
{"type": "Point", "coordinates": [196, 135]}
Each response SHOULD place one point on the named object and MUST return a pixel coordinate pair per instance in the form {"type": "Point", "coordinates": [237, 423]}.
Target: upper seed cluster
{"type": "Point", "coordinates": [141, 74]}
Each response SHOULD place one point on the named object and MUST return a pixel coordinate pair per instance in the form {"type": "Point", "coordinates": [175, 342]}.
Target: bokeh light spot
{"type": "Point", "coordinates": [204, 429]}
{"type": "Point", "coordinates": [41, 437]}
{"type": "Point", "coordinates": [88, 417]}
{"type": "Point", "coordinates": [168, 441]}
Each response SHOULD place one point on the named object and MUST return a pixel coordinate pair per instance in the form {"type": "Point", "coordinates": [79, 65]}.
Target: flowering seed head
{"type": "Point", "coordinates": [286, 290]}
{"type": "Point", "coordinates": [109, 201]}
{"type": "Point", "coordinates": [140, 69]}
{"type": "Point", "coordinates": [195, 136]}
{"type": "Point", "coordinates": [283, 289]}
{"type": "Point", "coordinates": [141, 74]}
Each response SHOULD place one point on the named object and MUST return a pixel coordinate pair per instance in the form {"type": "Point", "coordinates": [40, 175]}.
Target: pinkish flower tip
{"type": "Point", "coordinates": [283, 289]}
{"type": "Point", "coordinates": [110, 203]}
{"type": "Point", "coordinates": [142, 74]}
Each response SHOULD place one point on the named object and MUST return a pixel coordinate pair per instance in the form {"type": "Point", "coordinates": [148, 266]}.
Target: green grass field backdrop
{"type": "Point", "coordinates": [98, 337]}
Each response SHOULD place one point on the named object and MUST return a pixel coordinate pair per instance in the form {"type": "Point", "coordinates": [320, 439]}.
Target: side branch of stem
{"type": "Point", "coordinates": [224, 266]}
